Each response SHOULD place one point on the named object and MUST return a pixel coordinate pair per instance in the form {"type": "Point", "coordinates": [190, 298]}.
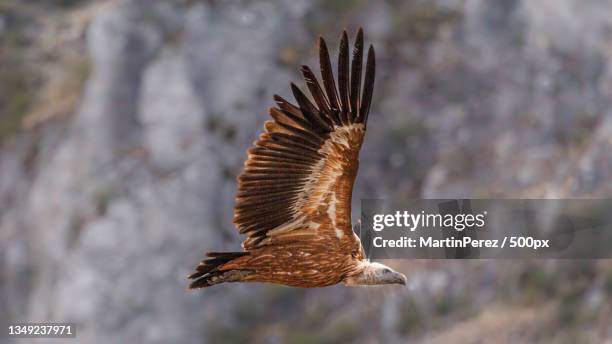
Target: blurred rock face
{"type": "Point", "coordinates": [140, 180]}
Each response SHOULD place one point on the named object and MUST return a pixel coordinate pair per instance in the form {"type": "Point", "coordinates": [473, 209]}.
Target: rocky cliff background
{"type": "Point", "coordinates": [123, 125]}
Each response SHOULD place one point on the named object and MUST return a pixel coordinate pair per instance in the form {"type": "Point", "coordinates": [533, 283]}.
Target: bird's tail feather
{"type": "Point", "coordinates": [208, 272]}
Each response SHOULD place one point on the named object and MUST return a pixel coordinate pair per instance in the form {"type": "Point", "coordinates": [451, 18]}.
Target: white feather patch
{"type": "Point", "coordinates": [339, 233]}
{"type": "Point", "coordinates": [331, 210]}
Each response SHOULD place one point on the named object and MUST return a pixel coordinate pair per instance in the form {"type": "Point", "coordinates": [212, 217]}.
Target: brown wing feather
{"type": "Point", "coordinates": [298, 179]}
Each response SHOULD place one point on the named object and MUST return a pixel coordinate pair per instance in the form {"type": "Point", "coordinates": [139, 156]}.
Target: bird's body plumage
{"type": "Point", "coordinates": [294, 195]}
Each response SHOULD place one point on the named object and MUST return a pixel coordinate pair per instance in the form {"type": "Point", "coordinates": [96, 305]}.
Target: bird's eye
{"type": "Point", "coordinates": [387, 271]}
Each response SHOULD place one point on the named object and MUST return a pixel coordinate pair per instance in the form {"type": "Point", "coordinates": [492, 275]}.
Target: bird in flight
{"type": "Point", "coordinates": [294, 194]}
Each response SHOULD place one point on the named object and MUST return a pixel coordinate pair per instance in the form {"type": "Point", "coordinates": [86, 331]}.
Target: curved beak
{"type": "Point", "coordinates": [399, 278]}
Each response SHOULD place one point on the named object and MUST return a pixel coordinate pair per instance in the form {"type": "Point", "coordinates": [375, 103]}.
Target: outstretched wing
{"type": "Point", "coordinates": [298, 179]}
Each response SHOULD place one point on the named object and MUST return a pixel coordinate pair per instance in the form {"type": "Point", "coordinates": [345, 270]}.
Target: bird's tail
{"type": "Point", "coordinates": [209, 271]}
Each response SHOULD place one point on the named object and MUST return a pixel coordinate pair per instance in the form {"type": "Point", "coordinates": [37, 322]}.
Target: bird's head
{"type": "Point", "coordinates": [374, 274]}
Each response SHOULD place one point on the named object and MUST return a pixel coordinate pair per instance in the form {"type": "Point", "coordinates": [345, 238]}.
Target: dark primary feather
{"type": "Point", "coordinates": [368, 88]}
{"type": "Point", "coordinates": [343, 77]}
{"type": "Point", "coordinates": [356, 75]}
{"type": "Point", "coordinates": [328, 76]}
{"type": "Point", "coordinates": [315, 90]}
